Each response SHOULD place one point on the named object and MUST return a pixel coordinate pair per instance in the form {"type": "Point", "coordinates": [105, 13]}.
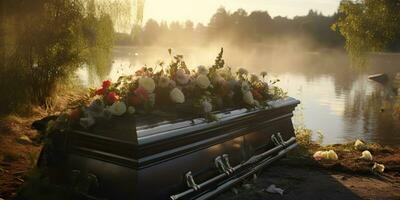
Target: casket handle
{"type": "Point", "coordinates": [277, 139]}
{"type": "Point", "coordinates": [190, 181]}
{"type": "Point", "coordinates": [227, 163]}
{"type": "Point", "coordinates": [221, 166]}
{"type": "Point", "coordinates": [283, 143]}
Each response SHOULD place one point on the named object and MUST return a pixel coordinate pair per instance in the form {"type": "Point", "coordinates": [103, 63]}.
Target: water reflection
{"type": "Point", "coordinates": [336, 99]}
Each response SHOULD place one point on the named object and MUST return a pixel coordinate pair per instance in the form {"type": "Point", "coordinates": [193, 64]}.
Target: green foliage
{"type": "Point", "coordinates": [98, 32]}
{"type": "Point", "coordinates": [41, 47]}
{"type": "Point", "coordinates": [43, 42]}
{"type": "Point", "coordinates": [368, 26]}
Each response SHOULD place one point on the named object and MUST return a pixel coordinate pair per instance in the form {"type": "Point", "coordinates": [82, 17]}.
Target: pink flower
{"type": "Point", "coordinates": [142, 93]}
{"type": "Point", "coordinates": [112, 97]}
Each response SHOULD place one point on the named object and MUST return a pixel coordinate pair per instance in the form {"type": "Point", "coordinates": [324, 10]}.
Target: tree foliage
{"type": "Point", "coordinates": [368, 26]}
{"type": "Point", "coordinates": [43, 42]}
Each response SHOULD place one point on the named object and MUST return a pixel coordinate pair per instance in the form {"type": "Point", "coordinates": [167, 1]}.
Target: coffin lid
{"type": "Point", "coordinates": [147, 140]}
{"type": "Point", "coordinates": [143, 130]}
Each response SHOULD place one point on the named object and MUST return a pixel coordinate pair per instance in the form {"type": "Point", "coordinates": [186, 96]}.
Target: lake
{"type": "Point", "coordinates": [336, 99]}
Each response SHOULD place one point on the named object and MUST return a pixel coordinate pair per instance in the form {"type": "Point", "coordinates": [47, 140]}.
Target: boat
{"type": "Point", "coordinates": [380, 78]}
{"type": "Point", "coordinates": [152, 157]}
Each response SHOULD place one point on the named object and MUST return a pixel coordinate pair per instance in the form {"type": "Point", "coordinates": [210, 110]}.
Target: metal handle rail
{"type": "Point", "coordinates": [222, 163]}
{"type": "Point", "coordinates": [252, 171]}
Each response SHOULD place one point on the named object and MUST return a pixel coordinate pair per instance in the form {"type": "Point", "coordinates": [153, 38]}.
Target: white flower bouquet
{"type": "Point", "coordinates": [199, 91]}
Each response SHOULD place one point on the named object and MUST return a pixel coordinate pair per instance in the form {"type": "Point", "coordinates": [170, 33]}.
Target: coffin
{"type": "Point", "coordinates": [153, 157]}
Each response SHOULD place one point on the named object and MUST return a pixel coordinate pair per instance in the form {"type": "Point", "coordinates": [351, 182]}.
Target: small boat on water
{"type": "Point", "coordinates": [391, 84]}
{"type": "Point", "coordinates": [380, 78]}
{"type": "Point", "coordinates": [183, 158]}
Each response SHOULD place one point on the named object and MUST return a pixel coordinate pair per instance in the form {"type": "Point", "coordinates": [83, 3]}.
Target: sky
{"type": "Point", "coordinates": [202, 10]}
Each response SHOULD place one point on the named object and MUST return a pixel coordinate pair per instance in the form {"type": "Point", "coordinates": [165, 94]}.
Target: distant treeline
{"type": "Point", "coordinates": [238, 27]}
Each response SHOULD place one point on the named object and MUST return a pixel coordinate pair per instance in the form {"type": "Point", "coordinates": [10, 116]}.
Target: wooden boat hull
{"type": "Point", "coordinates": [188, 159]}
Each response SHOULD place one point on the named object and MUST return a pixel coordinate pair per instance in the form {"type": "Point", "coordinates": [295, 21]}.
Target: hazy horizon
{"type": "Point", "coordinates": [201, 11]}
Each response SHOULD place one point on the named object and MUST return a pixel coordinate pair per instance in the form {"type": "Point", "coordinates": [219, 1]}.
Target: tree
{"type": "Point", "coordinates": [43, 42]}
{"type": "Point", "coordinates": [368, 26]}
{"type": "Point", "coordinates": [151, 31]}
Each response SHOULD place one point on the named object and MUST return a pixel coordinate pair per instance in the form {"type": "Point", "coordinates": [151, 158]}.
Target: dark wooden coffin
{"type": "Point", "coordinates": [149, 158]}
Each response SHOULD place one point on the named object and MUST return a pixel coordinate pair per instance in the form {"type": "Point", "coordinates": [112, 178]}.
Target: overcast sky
{"type": "Point", "coordinates": [202, 10]}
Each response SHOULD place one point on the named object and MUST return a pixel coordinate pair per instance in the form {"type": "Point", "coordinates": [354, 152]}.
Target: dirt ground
{"type": "Point", "coordinates": [313, 183]}
{"type": "Point", "coordinates": [297, 174]}
{"type": "Point", "coordinates": [16, 157]}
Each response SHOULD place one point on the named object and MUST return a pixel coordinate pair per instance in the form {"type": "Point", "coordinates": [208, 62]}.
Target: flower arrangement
{"type": "Point", "coordinates": [176, 88]}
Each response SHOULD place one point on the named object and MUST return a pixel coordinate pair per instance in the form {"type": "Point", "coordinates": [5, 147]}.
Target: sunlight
{"type": "Point", "coordinates": [200, 11]}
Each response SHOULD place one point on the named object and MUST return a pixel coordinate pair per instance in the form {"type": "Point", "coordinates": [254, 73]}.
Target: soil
{"type": "Point", "coordinates": [308, 182]}
{"type": "Point", "coordinates": [297, 174]}
{"type": "Point", "coordinates": [16, 157]}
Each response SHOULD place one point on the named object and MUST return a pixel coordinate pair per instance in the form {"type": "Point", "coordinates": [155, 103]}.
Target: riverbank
{"type": "Point", "coordinates": [298, 174]}
{"type": "Point", "coordinates": [20, 146]}
{"type": "Point", "coordinates": [18, 152]}
{"type": "Point", "coordinates": [302, 177]}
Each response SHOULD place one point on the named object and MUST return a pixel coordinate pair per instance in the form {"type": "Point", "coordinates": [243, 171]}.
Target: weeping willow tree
{"type": "Point", "coordinates": [43, 42]}
{"type": "Point", "coordinates": [368, 26]}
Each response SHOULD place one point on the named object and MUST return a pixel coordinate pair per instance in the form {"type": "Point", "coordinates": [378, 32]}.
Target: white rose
{"type": "Point", "coordinates": [207, 106]}
{"type": "Point", "coordinates": [147, 83]}
{"type": "Point", "coordinates": [118, 108]}
{"type": "Point", "coordinates": [245, 87]}
{"type": "Point", "coordinates": [131, 110]}
{"type": "Point", "coordinates": [332, 155]}
{"type": "Point", "coordinates": [202, 81]}
{"type": "Point", "coordinates": [318, 155]}
{"type": "Point", "coordinates": [378, 168]}
{"type": "Point", "coordinates": [202, 70]}
{"type": "Point", "coordinates": [164, 81]}
{"type": "Point", "coordinates": [359, 145]}
{"type": "Point", "coordinates": [177, 96]}
{"type": "Point", "coordinates": [366, 155]}
{"type": "Point", "coordinates": [248, 98]}
{"type": "Point", "coordinates": [182, 77]}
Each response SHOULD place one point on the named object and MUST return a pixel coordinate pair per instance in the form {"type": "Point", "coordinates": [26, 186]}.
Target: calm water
{"type": "Point", "coordinates": [337, 100]}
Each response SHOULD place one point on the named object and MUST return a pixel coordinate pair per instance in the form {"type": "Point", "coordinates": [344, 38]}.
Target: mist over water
{"type": "Point", "coordinates": [337, 99]}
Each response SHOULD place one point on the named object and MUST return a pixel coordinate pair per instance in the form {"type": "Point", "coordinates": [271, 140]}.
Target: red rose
{"type": "Point", "coordinates": [106, 84]}
{"type": "Point", "coordinates": [75, 115]}
{"type": "Point", "coordinates": [112, 97]}
{"type": "Point", "coordinates": [100, 91]}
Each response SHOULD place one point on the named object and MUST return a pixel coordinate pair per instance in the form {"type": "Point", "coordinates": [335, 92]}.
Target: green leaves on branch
{"type": "Point", "coordinates": [367, 26]}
